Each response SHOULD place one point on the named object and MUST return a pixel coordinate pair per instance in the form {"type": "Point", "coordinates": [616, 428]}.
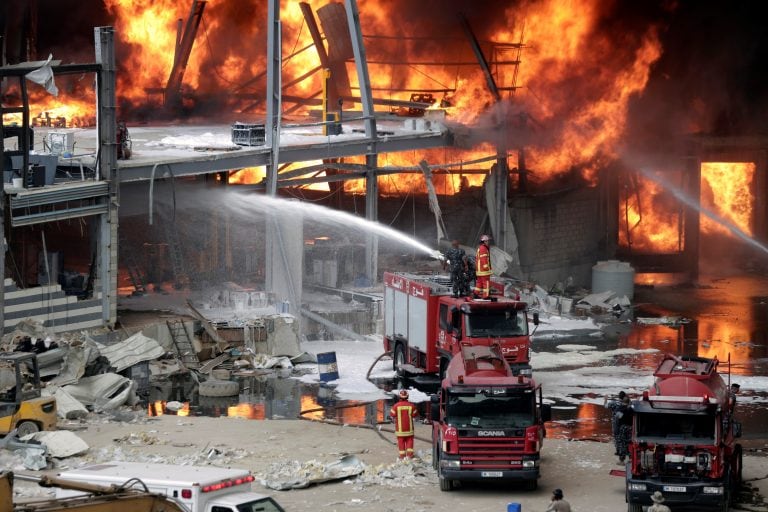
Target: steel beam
{"type": "Point", "coordinates": [181, 56]}
{"type": "Point", "coordinates": [133, 170]}
{"type": "Point", "coordinates": [363, 80]}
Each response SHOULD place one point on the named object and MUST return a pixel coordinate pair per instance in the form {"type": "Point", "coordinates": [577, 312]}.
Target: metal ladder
{"type": "Point", "coordinates": [177, 259]}
{"type": "Point", "coordinates": [183, 343]}
{"type": "Point", "coordinates": [134, 273]}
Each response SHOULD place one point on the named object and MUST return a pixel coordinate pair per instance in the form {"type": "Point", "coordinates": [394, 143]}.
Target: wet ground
{"type": "Point", "coordinates": [726, 318]}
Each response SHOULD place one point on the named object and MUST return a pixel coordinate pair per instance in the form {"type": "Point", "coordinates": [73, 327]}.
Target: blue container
{"type": "Point", "coordinates": [514, 507]}
{"type": "Point", "coordinates": [327, 367]}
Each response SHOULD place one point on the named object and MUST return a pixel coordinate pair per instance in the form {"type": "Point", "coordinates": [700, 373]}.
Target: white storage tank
{"type": "Point", "coordinates": [616, 276]}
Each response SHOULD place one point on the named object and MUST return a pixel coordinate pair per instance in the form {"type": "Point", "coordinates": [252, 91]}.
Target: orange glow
{"type": "Point", "coordinates": [248, 411]}
{"type": "Point", "coordinates": [308, 403]}
{"type": "Point", "coordinates": [574, 80]}
{"type": "Point", "coordinates": [255, 175]}
{"type": "Point", "coordinates": [157, 408]}
{"type": "Point", "coordinates": [726, 189]}
{"type": "Point", "coordinates": [650, 218]}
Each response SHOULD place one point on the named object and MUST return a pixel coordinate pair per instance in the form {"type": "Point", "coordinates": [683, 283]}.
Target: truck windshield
{"type": "Point", "coordinates": [496, 322]}
{"type": "Point", "coordinates": [260, 505]}
{"type": "Point", "coordinates": [676, 427]}
{"type": "Point", "coordinates": [484, 410]}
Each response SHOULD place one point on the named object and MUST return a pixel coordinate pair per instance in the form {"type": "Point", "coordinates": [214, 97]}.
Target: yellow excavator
{"type": "Point", "coordinates": [99, 498]}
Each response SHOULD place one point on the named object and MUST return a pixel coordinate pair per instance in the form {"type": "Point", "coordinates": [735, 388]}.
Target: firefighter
{"type": "Point", "coordinates": [403, 413]}
{"type": "Point", "coordinates": [558, 504]}
{"type": "Point", "coordinates": [456, 259]}
{"type": "Point", "coordinates": [657, 498]}
{"type": "Point", "coordinates": [483, 268]}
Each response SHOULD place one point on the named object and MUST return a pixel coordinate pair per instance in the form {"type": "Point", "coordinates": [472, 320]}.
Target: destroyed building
{"type": "Point", "coordinates": [103, 201]}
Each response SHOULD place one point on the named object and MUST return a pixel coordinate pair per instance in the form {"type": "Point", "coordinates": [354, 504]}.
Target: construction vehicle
{"type": "Point", "coordinates": [22, 408]}
{"type": "Point", "coordinates": [487, 423]}
{"type": "Point", "coordinates": [425, 325]}
{"type": "Point", "coordinates": [684, 438]}
{"type": "Point", "coordinates": [196, 488]}
{"type": "Point", "coordinates": [98, 498]}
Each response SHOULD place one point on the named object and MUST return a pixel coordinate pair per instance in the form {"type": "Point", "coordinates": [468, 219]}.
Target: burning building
{"type": "Point", "coordinates": [570, 130]}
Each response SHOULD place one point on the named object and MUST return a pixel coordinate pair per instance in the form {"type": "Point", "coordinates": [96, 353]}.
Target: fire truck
{"type": "Point", "coordinates": [425, 325]}
{"type": "Point", "coordinates": [684, 438]}
{"type": "Point", "coordinates": [487, 423]}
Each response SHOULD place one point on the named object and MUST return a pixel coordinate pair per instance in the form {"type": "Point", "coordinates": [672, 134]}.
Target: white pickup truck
{"type": "Point", "coordinates": [197, 488]}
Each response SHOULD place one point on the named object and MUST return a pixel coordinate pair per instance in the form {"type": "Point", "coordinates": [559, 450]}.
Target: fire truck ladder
{"type": "Point", "coordinates": [183, 343]}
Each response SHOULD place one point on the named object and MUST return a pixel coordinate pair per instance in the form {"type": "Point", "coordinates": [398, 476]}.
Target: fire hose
{"type": "Point", "coordinates": [376, 428]}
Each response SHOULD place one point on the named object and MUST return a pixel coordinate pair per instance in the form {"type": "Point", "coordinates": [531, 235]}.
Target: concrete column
{"type": "Point", "coordinates": [106, 126]}
{"type": "Point", "coordinates": [287, 256]}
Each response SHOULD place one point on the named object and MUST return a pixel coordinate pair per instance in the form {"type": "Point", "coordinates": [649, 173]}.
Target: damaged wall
{"type": "Point", "coordinates": [563, 233]}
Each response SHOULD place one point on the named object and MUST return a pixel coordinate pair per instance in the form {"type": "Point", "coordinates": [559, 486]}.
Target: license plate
{"type": "Point", "coordinates": [673, 488]}
{"type": "Point", "coordinates": [491, 474]}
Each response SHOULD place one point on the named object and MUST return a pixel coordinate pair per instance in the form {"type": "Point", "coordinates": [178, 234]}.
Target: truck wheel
{"type": "Point", "coordinates": [445, 484]}
{"type": "Point", "coordinates": [214, 387]}
{"type": "Point", "coordinates": [633, 507]}
{"type": "Point", "coordinates": [24, 428]}
{"type": "Point", "coordinates": [737, 469]}
{"type": "Point", "coordinates": [399, 358]}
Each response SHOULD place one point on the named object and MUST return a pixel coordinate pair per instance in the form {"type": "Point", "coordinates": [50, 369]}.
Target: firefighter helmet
{"type": "Point", "coordinates": [404, 394]}
{"type": "Point", "coordinates": [485, 238]}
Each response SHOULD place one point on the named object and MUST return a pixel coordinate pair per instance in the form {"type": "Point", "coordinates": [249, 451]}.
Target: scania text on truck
{"type": "Point", "coordinates": [487, 423]}
{"type": "Point", "coordinates": [424, 325]}
{"type": "Point", "coordinates": [197, 488]}
{"type": "Point", "coordinates": [684, 438]}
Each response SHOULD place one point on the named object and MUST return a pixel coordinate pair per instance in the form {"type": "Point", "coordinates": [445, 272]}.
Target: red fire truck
{"type": "Point", "coordinates": [487, 424]}
{"type": "Point", "coordinates": [684, 438]}
{"type": "Point", "coordinates": [424, 325]}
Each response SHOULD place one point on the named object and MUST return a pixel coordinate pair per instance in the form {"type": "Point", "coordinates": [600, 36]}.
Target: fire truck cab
{"type": "Point", "coordinates": [487, 423]}
{"type": "Point", "coordinates": [425, 326]}
{"type": "Point", "coordinates": [684, 438]}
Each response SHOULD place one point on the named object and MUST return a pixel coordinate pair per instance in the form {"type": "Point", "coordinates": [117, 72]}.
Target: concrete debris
{"type": "Point", "coordinates": [403, 473]}
{"type": "Point", "coordinates": [69, 407]}
{"type": "Point", "coordinates": [138, 439]}
{"type": "Point", "coordinates": [34, 460]}
{"type": "Point", "coordinates": [73, 366]}
{"type": "Point", "coordinates": [61, 443]}
{"type": "Point", "coordinates": [131, 351]}
{"type": "Point", "coordinates": [283, 476]}
{"type": "Point", "coordinates": [265, 361]}
{"type": "Point", "coordinates": [670, 321]}
{"type": "Point", "coordinates": [102, 392]}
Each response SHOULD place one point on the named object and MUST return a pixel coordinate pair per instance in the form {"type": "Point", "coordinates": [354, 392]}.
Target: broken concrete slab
{"type": "Point", "coordinates": [69, 407]}
{"type": "Point", "coordinates": [299, 475]}
{"type": "Point", "coordinates": [102, 392]}
{"type": "Point", "coordinates": [61, 443]}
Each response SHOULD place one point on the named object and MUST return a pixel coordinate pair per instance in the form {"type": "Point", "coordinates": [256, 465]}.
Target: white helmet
{"type": "Point", "coordinates": [485, 238]}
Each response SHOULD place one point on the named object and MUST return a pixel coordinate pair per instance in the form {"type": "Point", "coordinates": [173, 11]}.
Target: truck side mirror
{"type": "Point", "coordinates": [536, 318]}
{"type": "Point", "coordinates": [434, 412]}
{"type": "Point", "coordinates": [736, 429]}
{"type": "Point", "coordinates": [546, 412]}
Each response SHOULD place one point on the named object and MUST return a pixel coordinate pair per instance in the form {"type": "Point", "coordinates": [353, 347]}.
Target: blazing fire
{"type": "Point", "coordinates": [652, 219]}
{"type": "Point", "coordinates": [726, 189]}
{"type": "Point", "coordinates": [573, 80]}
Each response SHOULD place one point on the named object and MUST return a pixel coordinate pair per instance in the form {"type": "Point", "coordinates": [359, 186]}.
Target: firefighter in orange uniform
{"type": "Point", "coordinates": [483, 268]}
{"type": "Point", "coordinates": [403, 413]}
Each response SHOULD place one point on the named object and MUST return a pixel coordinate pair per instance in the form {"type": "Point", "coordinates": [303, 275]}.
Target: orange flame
{"type": "Point", "coordinates": [726, 188]}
